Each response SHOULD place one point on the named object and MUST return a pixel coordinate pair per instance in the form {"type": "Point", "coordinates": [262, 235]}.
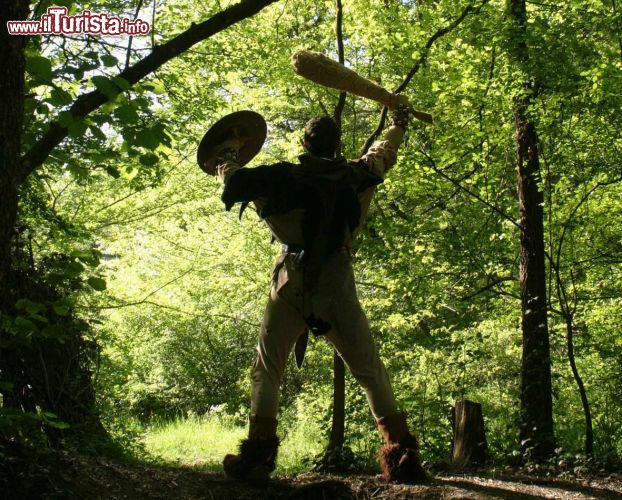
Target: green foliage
{"type": "Point", "coordinates": [122, 209]}
{"type": "Point", "coordinates": [203, 442]}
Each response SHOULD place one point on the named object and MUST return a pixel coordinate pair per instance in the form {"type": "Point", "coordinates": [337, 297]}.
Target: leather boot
{"type": "Point", "coordinates": [399, 457]}
{"type": "Point", "coordinates": [257, 456]}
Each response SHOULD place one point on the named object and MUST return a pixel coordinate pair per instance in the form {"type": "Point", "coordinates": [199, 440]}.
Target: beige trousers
{"type": "Point", "coordinates": [334, 300]}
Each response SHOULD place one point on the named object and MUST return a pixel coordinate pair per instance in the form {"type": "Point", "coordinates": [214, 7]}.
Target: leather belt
{"type": "Point", "coordinates": [300, 248]}
{"type": "Point", "coordinates": [292, 248]}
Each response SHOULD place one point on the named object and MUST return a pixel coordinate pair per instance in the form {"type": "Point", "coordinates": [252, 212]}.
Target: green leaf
{"type": "Point", "coordinates": [25, 324]}
{"type": "Point", "coordinates": [43, 109]}
{"type": "Point", "coordinates": [77, 128]}
{"type": "Point", "coordinates": [38, 317]}
{"type": "Point", "coordinates": [97, 283]}
{"type": "Point", "coordinates": [112, 171]}
{"type": "Point", "coordinates": [89, 257]}
{"type": "Point", "coordinates": [65, 119]}
{"type": "Point", "coordinates": [77, 72]}
{"type": "Point", "coordinates": [106, 86]}
{"type": "Point", "coordinates": [61, 310]}
{"type": "Point", "coordinates": [149, 159]}
{"type": "Point", "coordinates": [80, 254]}
{"type": "Point", "coordinates": [160, 132]}
{"type": "Point", "coordinates": [129, 172]}
{"type": "Point", "coordinates": [64, 3]}
{"type": "Point", "coordinates": [105, 110]}
{"type": "Point", "coordinates": [72, 269]}
{"type": "Point", "coordinates": [58, 424]}
{"type": "Point", "coordinates": [29, 105]}
{"type": "Point", "coordinates": [155, 87]}
{"type": "Point", "coordinates": [109, 60]}
{"type": "Point", "coordinates": [53, 332]}
{"type": "Point", "coordinates": [126, 113]}
{"type": "Point", "coordinates": [60, 97]}
{"type": "Point", "coordinates": [147, 138]}
{"type": "Point", "coordinates": [51, 419]}
{"type": "Point", "coordinates": [56, 278]}
{"type": "Point", "coordinates": [29, 306]}
{"type": "Point", "coordinates": [96, 131]}
{"type": "Point", "coordinates": [121, 82]}
{"type": "Point", "coordinates": [23, 303]}
{"type": "Point", "coordinates": [40, 67]}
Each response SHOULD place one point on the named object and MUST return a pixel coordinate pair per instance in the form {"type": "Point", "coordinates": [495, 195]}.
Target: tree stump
{"type": "Point", "coordinates": [469, 438]}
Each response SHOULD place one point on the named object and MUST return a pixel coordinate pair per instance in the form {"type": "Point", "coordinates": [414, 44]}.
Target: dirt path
{"type": "Point", "coordinates": [92, 478]}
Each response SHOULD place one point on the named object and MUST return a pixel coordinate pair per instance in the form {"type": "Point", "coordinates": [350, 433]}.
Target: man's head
{"type": "Point", "coordinates": [322, 136]}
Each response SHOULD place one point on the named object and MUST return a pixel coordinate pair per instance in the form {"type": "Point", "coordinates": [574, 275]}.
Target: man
{"type": "Point", "coordinates": [314, 209]}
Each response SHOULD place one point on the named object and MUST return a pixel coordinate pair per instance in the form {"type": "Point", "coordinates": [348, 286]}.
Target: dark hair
{"type": "Point", "coordinates": [322, 136]}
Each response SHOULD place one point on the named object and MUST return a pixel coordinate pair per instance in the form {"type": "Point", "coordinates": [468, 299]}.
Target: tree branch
{"type": "Point", "coordinates": [432, 165]}
{"type": "Point", "coordinates": [176, 309]}
{"type": "Point", "coordinates": [423, 57]}
{"type": "Point", "coordinates": [128, 53]}
{"type": "Point", "coordinates": [489, 286]}
{"type": "Point", "coordinates": [339, 32]}
{"type": "Point", "coordinates": [585, 197]}
{"type": "Point", "coordinates": [87, 103]}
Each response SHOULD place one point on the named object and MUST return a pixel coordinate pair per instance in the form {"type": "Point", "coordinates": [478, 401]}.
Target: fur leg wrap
{"type": "Point", "coordinates": [400, 461]}
{"type": "Point", "coordinates": [256, 460]}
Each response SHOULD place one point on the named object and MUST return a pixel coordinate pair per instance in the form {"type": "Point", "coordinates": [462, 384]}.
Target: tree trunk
{"type": "Point", "coordinates": [469, 437]}
{"type": "Point", "coordinates": [536, 431]}
{"type": "Point", "coordinates": [337, 431]}
{"type": "Point", "coordinates": [589, 432]}
{"type": "Point", "coordinates": [11, 115]}
{"type": "Point", "coordinates": [24, 367]}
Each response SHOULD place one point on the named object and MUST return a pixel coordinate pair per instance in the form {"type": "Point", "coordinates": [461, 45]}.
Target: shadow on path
{"type": "Point", "coordinates": [96, 478]}
{"type": "Point", "coordinates": [526, 487]}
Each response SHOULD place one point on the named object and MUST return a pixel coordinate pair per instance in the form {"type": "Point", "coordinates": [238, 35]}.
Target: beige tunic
{"type": "Point", "coordinates": [333, 299]}
{"type": "Point", "coordinates": [287, 228]}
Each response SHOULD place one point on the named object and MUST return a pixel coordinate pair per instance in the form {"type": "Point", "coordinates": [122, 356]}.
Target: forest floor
{"type": "Point", "coordinates": [96, 478]}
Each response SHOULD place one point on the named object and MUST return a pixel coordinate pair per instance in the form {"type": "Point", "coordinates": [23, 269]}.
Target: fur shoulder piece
{"type": "Point", "coordinates": [248, 184]}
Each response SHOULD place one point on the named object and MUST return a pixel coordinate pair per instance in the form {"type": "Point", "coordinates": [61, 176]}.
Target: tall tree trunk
{"type": "Point", "coordinates": [337, 432]}
{"type": "Point", "coordinates": [536, 433]}
{"type": "Point", "coordinates": [589, 432]}
{"type": "Point", "coordinates": [14, 170]}
{"type": "Point", "coordinates": [11, 115]}
{"type": "Point", "coordinates": [12, 62]}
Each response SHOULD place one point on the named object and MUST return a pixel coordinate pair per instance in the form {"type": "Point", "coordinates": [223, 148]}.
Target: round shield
{"type": "Point", "coordinates": [249, 126]}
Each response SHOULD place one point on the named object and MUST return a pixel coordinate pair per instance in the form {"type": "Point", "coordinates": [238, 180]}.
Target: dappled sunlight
{"type": "Point", "coordinates": [462, 268]}
{"type": "Point", "coordinates": [203, 442]}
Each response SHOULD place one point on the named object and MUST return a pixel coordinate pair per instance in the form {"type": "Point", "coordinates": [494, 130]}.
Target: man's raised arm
{"type": "Point", "coordinates": [382, 154]}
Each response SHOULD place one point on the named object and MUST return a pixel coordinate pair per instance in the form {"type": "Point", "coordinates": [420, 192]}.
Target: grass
{"type": "Point", "coordinates": [204, 441]}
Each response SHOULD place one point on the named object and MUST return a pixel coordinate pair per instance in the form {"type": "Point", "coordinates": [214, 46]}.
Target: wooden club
{"type": "Point", "coordinates": [323, 70]}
